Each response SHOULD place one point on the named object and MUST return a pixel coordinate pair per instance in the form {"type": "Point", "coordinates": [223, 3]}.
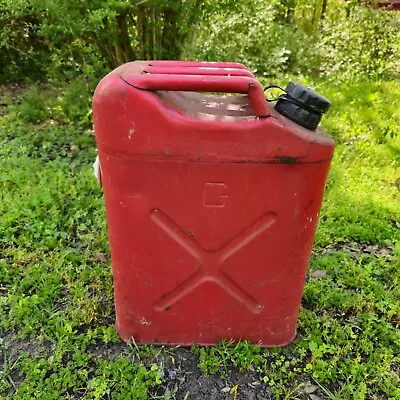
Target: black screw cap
{"type": "Point", "coordinates": [302, 105]}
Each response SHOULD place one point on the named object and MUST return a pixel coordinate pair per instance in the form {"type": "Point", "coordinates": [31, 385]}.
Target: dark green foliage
{"type": "Point", "coordinates": [69, 38]}
{"type": "Point", "coordinates": [261, 41]}
{"type": "Point", "coordinates": [23, 50]}
{"type": "Point", "coordinates": [272, 37]}
{"type": "Point", "coordinates": [360, 42]}
{"type": "Point", "coordinates": [87, 39]}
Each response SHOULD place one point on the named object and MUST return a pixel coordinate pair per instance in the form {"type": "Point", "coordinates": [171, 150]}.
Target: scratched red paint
{"type": "Point", "coordinates": [211, 203]}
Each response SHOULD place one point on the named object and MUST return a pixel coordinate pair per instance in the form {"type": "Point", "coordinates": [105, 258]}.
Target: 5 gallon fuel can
{"type": "Point", "coordinates": [212, 199]}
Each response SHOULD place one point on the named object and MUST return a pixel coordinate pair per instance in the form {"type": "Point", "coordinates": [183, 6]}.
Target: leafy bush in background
{"type": "Point", "coordinates": [358, 41]}
{"type": "Point", "coordinates": [22, 48]}
{"type": "Point", "coordinates": [57, 39]}
{"type": "Point", "coordinates": [256, 33]}
{"type": "Point", "coordinates": [303, 37]}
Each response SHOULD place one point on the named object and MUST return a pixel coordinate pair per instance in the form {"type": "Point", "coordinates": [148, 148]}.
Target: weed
{"type": "Point", "coordinates": [32, 107]}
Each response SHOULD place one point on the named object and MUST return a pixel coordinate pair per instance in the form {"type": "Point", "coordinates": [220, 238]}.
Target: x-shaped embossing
{"type": "Point", "coordinates": [210, 261]}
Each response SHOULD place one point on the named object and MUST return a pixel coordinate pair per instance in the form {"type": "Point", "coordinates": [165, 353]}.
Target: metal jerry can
{"type": "Point", "coordinates": [212, 201]}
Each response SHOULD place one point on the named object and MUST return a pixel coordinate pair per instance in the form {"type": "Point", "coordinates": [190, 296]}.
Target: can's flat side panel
{"type": "Point", "coordinates": [204, 251]}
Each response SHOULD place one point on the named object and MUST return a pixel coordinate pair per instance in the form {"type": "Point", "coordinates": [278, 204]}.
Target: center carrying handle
{"type": "Point", "coordinates": [202, 77]}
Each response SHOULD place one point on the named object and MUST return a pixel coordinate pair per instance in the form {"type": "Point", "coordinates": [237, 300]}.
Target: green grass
{"type": "Point", "coordinates": [56, 304]}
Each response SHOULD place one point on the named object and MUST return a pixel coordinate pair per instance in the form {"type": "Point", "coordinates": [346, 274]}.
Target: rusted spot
{"type": "Point", "coordinates": [289, 159]}
{"type": "Point", "coordinates": [309, 204]}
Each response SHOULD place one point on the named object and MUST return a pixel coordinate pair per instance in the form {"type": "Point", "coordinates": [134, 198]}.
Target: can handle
{"type": "Point", "coordinates": [212, 64]}
{"type": "Point", "coordinates": [205, 83]}
{"type": "Point", "coordinates": [197, 70]}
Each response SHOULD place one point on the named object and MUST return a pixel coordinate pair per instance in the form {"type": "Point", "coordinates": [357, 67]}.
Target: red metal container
{"type": "Point", "coordinates": [211, 202]}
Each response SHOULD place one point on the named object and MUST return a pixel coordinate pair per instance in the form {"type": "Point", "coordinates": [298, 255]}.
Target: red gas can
{"type": "Point", "coordinates": [211, 202]}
